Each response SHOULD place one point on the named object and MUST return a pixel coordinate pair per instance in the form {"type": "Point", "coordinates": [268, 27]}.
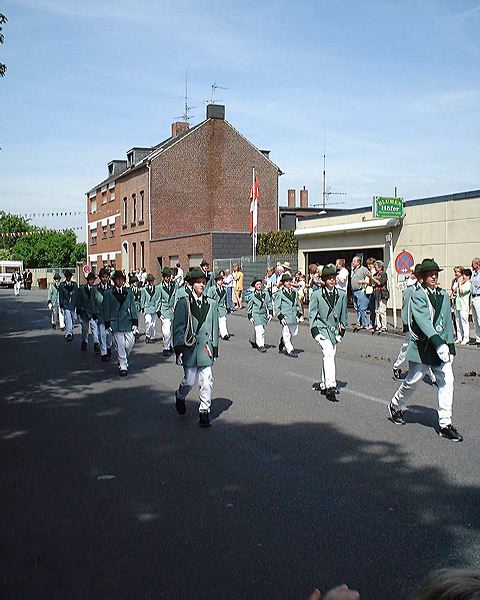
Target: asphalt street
{"type": "Point", "coordinates": [108, 493]}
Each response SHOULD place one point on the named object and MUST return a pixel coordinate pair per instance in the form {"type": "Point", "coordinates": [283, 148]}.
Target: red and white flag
{"type": "Point", "coordinates": [254, 208]}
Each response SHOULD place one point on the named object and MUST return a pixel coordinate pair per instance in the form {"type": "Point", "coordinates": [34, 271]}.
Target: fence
{"type": "Point", "coordinates": [258, 268]}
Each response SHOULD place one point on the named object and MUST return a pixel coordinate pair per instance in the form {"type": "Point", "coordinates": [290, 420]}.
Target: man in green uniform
{"type": "Point", "coordinates": [195, 340]}
{"type": "Point", "coordinates": [432, 345]}
{"type": "Point", "coordinates": [53, 303]}
{"type": "Point", "coordinates": [67, 293]}
{"type": "Point", "coordinates": [259, 312]}
{"type": "Point", "coordinates": [287, 309]}
{"type": "Point", "coordinates": [328, 313]}
{"type": "Point", "coordinates": [219, 293]}
{"type": "Point", "coordinates": [89, 307]}
{"type": "Point", "coordinates": [104, 334]}
{"type": "Point", "coordinates": [167, 290]}
{"type": "Point", "coordinates": [150, 304]}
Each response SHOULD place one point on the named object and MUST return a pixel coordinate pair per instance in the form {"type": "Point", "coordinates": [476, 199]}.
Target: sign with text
{"type": "Point", "coordinates": [387, 207]}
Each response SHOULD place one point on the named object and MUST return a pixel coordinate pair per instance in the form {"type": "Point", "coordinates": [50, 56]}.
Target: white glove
{"type": "Point", "coordinates": [252, 320]}
{"type": "Point", "coordinates": [319, 338]}
{"type": "Point", "coordinates": [269, 318]}
{"type": "Point", "coordinates": [134, 330]}
{"type": "Point", "coordinates": [283, 322]}
{"type": "Point", "coordinates": [110, 330]}
{"type": "Point", "coordinates": [49, 306]}
{"type": "Point", "coordinates": [443, 353]}
{"type": "Point", "coordinates": [339, 338]}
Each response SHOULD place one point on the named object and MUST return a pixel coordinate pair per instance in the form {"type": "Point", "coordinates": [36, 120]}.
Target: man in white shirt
{"type": "Point", "coordinates": [179, 277]}
{"type": "Point", "coordinates": [341, 282]}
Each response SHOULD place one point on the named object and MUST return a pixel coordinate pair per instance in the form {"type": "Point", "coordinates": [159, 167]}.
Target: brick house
{"type": "Point", "coordinates": [188, 197]}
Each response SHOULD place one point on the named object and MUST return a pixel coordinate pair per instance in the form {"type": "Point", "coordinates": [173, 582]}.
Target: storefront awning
{"type": "Point", "coordinates": [347, 227]}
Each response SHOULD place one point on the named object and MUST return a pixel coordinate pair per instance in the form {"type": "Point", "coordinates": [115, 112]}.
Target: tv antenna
{"type": "Point", "coordinates": [326, 190]}
{"type": "Point", "coordinates": [186, 109]}
{"type": "Point", "coordinates": [215, 87]}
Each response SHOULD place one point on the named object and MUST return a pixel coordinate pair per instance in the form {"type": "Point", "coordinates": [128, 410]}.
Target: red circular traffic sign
{"type": "Point", "coordinates": [87, 269]}
{"type": "Point", "coordinates": [404, 263]}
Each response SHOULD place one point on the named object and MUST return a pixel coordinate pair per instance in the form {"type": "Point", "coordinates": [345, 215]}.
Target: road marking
{"type": "Point", "coordinates": [343, 390]}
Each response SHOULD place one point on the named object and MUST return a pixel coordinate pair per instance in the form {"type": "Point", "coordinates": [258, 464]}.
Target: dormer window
{"type": "Point", "coordinates": [130, 161]}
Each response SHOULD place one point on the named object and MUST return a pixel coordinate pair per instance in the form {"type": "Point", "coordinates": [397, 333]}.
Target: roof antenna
{"type": "Point", "coordinates": [216, 87]}
{"type": "Point", "coordinates": [186, 109]}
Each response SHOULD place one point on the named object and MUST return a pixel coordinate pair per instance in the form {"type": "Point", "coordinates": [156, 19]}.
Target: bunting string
{"type": "Point", "coordinates": [37, 231]}
{"type": "Point", "coordinates": [64, 213]}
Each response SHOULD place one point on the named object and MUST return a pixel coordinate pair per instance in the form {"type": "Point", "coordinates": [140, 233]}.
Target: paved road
{"type": "Point", "coordinates": [107, 493]}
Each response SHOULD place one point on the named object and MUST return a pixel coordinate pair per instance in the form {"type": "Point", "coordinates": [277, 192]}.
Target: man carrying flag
{"type": "Point", "coordinates": [254, 212]}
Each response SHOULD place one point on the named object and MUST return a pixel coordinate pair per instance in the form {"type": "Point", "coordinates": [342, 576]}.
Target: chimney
{"type": "Point", "coordinates": [179, 127]}
{"type": "Point", "coordinates": [291, 198]}
{"type": "Point", "coordinates": [216, 111]}
{"type": "Point", "coordinates": [304, 198]}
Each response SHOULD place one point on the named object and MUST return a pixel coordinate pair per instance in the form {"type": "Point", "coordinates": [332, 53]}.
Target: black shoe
{"type": "Point", "coordinates": [147, 339]}
{"type": "Point", "coordinates": [281, 345]}
{"type": "Point", "coordinates": [262, 349]}
{"type": "Point", "coordinates": [105, 358]}
{"type": "Point", "coordinates": [291, 354]}
{"type": "Point", "coordinates": [226, 338]}
{"type": "Point", "coordinates": [54, 326]}
{"type": "Point", "coordinates": [180, 405]}
{"type": "Point", "coordinates": [450, 433]}
{"type": "Point", "coordinates": [83, 347]}
{"type": "Point", "coordinates": [123, 372]}
{"type": "Point", "coordinates": [166, 353]}
{"type": "Point", "coordinates": [109, 352]}
{"type": "Point", "coordinates": [69, 337]}
{"type": "Point", "coordinates": [203, 419]}
{"type": "Point", "coordinates": [96, 347]}
{"type": "Point", "coordinates": [254, 345]}
{"type": "Point", "coordinates": [397, 373]}
{"type": "Point", "coordinates": [330, 394]}
{"type": "Point", "coordinates": [317, 387]}
{"type": "Point", "coordinates": [396, 416]}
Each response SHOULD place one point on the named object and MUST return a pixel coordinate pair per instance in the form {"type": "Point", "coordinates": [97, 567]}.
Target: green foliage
{"type": "Point", "coordinates": [48, 249]}
{"type": "Point", "coordinates": [3, 68]}
{"type": "Point", "coordinates": [277, 242]}
{"type": "Point", "coordinates": [79, 254]}
{"type": "Point", "coordinates": [11, 224]}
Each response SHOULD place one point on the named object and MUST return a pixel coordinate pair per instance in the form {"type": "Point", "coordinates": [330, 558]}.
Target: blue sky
{"type": "Point", "coordinates": [395, 85]}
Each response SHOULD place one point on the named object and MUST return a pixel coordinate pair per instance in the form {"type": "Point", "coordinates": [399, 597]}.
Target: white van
{"type": "Point", "coordinates": [7, 268]}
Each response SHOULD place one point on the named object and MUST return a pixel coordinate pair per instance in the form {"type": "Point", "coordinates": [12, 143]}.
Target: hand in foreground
{"type": "Point", "coordinates": [443, 353]}
{"type": "Point", "coordinates": [134, 330]}
{"type": "Point", "coordinates": [342, 592]}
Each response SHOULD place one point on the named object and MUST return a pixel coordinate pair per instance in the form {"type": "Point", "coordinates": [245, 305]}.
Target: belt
{"type": "Point", "coordinates": [475, 295]}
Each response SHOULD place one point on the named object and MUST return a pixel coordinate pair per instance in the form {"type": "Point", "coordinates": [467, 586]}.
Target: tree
{"type": "Point", "coordinates": [3, 68]}
{"type": "Point", "coordinates": [79, 254]}
{"type": "Point", "coordinates": [11, 224]}
{"type": "Point", "coordinates": [277, 242]}
{"type": "Point", "coordinates": [45, 248]}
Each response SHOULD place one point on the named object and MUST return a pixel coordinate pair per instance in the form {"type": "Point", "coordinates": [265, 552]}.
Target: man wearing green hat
{"type": "Point", "coordinates": [195, 341]}
{"type": "Point", "coordinates": [210, 275]}
{"type": "Point", "coordinates": [432, 345]}
{"type": "Point", "coordinates": [167, 294]}
{"type": "Point", "coordinates": [136, 291]}
{"type": "Point", "coordinates": [287, 309]}
{"type": "Point", "coordinates": [89, 307]}
{"type": "Point", "coordinates": [150, 305]}
{"type": "Point", "coordinates": [259, 312]}
{"type": "Point", "coordinates": [53, 303]}
{"type": "Point", "coordinates": [67, 297]}
{"type": "Point", "coordinates": [105, 335]}
{"type": "Point", "coordinates": [328, 321]}
{"type": "Point", "coordinates": [219, 293]}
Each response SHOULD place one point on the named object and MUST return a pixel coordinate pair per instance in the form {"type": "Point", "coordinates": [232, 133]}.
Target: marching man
{"type": "Point", "coordinates": [218, 293]}
{"type": "Point", "coordinates": [150, 304]}
{"type": "Point", "coordinates": [195, 340]}
{"type": "Point", "coordinates": [104, 335]}
{"type": "Point", "coordinates": [431, 346]}
{"type": "Point", "coordinates": [67, 292]}
{"type": "Point", "coordinates": [259, 312]}
{"type": "Point", "coordinates": [89, 307]}
{"type": "Point", "coordinates": [328, 321]}
{"type": "Point", "coordinates": [120, 315]}
{"type": "Point", "coordinates": [17, 282]}
{"type": "Point", "coordinates": [53, 303]}
{"type": "Point", "coordinates": [167, 291]}
{"type": "Point", "coordinates": [288, 310]}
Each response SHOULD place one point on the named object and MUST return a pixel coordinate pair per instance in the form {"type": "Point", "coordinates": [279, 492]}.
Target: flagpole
{"type": "Point", "coordinates": [254, 227]}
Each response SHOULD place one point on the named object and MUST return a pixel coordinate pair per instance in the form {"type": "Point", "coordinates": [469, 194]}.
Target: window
{"type": "Point", "coordinates": [104, 197]}
{"type": "Point", "coordinates": [93, 206]}
{"type": "Point", "coordinates": [93, 237]}
{"type": "Point", "coordinates": [142, 254]}
{"type": "Point", "coordinates": [194, 260]}
{"type": "Point", "coordinates": [104, 232]}
{"type": "Point", "coordinates": [112, 262]}
{"type": "Point", "coordinates": [140, 212]}
{"type": "Point", "coordinates": [134, 208]}
{"type": "Point", "coordinates": [112, 196]}
{"type": "Point", "coordinates": [173, 261]}
{"type": "Point", "coordinates": [104, 263]}
{"type": "Point", "coordinates": [124, 215]}
{"type": "Point", "coordinates": [134, 255]}
{"type": "Point", "coordinates": [93, 264]}
{"type": "Point", "coordinates": [112, 229]}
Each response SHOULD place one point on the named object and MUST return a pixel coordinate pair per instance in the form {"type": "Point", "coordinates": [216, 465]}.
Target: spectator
{"type": "Point", "coordinates": [341, 282]}
{"type": "Point", "coordinates": [299, 285]}
{"type": "Point", "coordinates": [359, 279]}
{"type": "Point", "coordinates": [370, 295]}
{"type": "Point", "coordinates": [449, 584]}
{"type": "Point", "coordinates": [143, 276]}
{"type": "Point", "coordinates": [475, 291]}
{"type": "Point", "coordinates": [228, 282]}
{"type": "Point", "coordinates": [180, 275]}
{"type": "Point", "coordinates": [462, 305]}
{"type": "Point", "coordinates": [380, 289]}
{"type": "Point", "coordinates": [238, 289]}
{"type": "Point", "coordinates": [270, 280]}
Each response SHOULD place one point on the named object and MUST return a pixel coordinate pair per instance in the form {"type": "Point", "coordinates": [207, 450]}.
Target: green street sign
{"type": "Point", "coordinates": [387, 207]}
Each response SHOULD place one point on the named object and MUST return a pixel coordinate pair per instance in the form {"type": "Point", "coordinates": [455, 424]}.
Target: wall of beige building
{"type": "Point", "coordinates": [448, 231]}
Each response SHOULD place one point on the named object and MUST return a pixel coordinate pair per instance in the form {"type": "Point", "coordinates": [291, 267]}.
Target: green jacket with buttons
{"type": "Point", "coordinates": [328, 313]}
{"type": "Point", "coordinates": [287, 305]}
{"type": "Point", "coordinates": [150, 299]}
{"type": "Point", "coordinates": [167, 293]}
{"type": "Point", "coordinates": [259, 307]}
{"type": "Point", "coordinates": [119, 310]}
{"type": "Point", "coordinates": [219, 294]}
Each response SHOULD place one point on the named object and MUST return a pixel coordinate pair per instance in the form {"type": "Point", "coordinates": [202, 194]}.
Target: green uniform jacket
{"type": "Point", "coordinates": [259, 307]}
{"type": "Point", "coordinates": [89, 305]}
{"type": "Point", "coordinates": [137, 296]}
{"type": "Point", "coordinates": [204, 323]}
{"type": "Point", "coordinates": [220, 295]}
{"type": "Point", "coordinates": [119, 311]}
{"type": "Point", "coordinates": [167, 299]}
{"type": "Point", "coordinates": [287, 305]}
{"type": "Point", "coordinates": [150, 303]}
{"type": "Point", "coordinates": [54, 295]}
{"type": "Point", "coordinates": [328, 314]}
{"type": "Point", "coordinates": [68, 295]}
{"type": "Point", "coordinates": [407, 294]}
{"type": "Point", "coordinates": [430, 322]}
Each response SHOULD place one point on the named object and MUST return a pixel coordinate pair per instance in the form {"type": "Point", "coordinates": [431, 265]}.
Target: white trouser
{"type": "Point", "coordinates": [166, 332]}
{"type": "Point", "coordinates": [86, 323]}
{"type": "Point", "coordinates": [105, 338]}
{"type": "Point", "coordinates": [222, 326]}
{"type": "Point", "coordinates": [403, 354]}
{"type": "Point", "coordinates": [150, 326]}
{"type": "Point", "coordinates": [16, 288]}
{"type": "Point", "coordinates": [205, 384]}
{"type": "Point", "coordinates": [327, 371]}
{"type": "Point", "coordinates": [258, 335]}
{"type": "Point", "coordinates": [57, 317]}
{"type": "Point", "coordinates": [70, 320]}
{"type": "Point", "coordinates": [476, 317]}
{"type": "Point", "coordinates": [463, 328]}
{"type": "Point", "coordinates": [124, 341]}
{"type": "Point", "coordinates": [444, 377]}
{"type": "Point", "coordinates": [289, 331]}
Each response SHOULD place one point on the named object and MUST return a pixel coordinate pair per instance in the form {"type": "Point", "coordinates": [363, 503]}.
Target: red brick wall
{"type": "Point", "coordinates": [135, 231]}
{"type": "Point", "coordinates": [203, 183]}
{"type": "Point", "coordinates": [183, 247]}
{"type": "Point", "coordinates": [108, 209]}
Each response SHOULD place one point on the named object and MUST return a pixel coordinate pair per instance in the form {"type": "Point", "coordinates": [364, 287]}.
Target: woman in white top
{"type": "Point", "coordinates": [461, 290]}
